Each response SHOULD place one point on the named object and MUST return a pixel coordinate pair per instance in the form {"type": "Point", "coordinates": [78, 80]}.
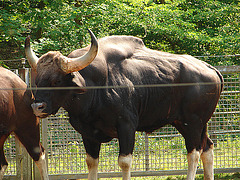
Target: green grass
{"type": "Point", "coordinates": [231, 176]}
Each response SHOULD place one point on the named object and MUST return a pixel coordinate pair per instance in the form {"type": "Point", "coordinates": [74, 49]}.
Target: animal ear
{"type": "Point", "coordinates": [79, 82]}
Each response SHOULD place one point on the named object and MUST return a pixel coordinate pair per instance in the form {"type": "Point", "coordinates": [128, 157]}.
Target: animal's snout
{"type": "Point", "coordinates": [38, 109]}
{"type": "Point", "coordinates": [41, 106]}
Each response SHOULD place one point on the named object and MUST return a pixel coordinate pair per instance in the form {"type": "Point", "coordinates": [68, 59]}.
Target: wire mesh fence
{"type": "Point", "coordinates": [162, 153]}
{"type": "Point", "coordinates": [10, 152]}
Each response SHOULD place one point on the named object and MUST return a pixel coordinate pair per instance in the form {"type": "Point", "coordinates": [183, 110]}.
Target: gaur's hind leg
{"type": "Point", "coordinates": [198, 145]}
{"type": "Point", "coordinates": [3, 161]}
{"type": "Point", "coordinates": [31, 141]}
{"type": "Point", "coordinates": [207, 159]}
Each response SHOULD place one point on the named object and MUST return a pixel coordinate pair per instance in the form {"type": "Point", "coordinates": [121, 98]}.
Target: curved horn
{"type": "Point", "coordinates": [76, 64]}
{"type": "Point", "coordinates": [31, 57]}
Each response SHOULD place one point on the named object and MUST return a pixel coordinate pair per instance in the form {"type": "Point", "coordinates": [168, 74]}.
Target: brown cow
{"type": "Point", "coordinates": [17, 117]}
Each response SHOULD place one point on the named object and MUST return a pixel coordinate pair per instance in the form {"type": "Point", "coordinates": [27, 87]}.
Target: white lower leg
{"type": "Point", "coordinates": [42, 166]}
{"type": "Point", "coordinates": [207, 159]}
{"type": "Point", "coordinates": [125, 163]}
{"type": "Point", "coordinates": [3, 169]}
{"type": "Point", "coordinates": [92, 167]}
{"type": "Point", "coordinates": [193, 159]}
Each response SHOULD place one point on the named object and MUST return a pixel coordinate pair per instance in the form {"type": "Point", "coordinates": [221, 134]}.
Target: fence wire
{"type": "Point", "coordinates": [10, 152]}
{"type": "Point", "coordinates": [162, 151]}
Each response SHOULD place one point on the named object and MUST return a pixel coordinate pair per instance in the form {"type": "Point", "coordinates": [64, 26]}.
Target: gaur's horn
{"type": "Point", "coordinates": [69, 65]}
{"type": "Point", "coordinates": [31, 57]}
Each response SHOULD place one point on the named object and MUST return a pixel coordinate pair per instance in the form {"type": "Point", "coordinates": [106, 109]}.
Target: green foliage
{"type": "Point", "coordinates": [193, 27]}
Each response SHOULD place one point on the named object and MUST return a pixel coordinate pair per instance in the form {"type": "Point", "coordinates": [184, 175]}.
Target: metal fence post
{"type": "Point", "coordinates": [146, 152]}
{"type": "Point", "coordinates": [45, 137]}
{"type": "Point", "coordinates": [24, 161]}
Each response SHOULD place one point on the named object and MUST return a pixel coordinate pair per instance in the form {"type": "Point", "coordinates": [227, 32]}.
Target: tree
{"type": "Point", "coordinates": [193, 27]}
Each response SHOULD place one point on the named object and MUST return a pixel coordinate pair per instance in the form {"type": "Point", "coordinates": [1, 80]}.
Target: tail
{"type": "Point", "coordinates": [219, 75]}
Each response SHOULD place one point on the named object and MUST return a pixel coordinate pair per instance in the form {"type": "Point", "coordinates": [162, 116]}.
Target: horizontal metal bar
{"type": "Point", "coordinates": [231, 112]}
{"type": "Point", "coordinates": [226, 170]}
{"type": "Point", "coordinates": [214, 56]}
{"type": "Point", "coordinates": [142, 173]}
{"type": "Point", "coordinates": [224, 132]}
{"type": "Point", "coordinates": [230, 92]}
{"type": "Point", "coordinates": [165, 136]}
{"type": "Point", "coordinates": [117, 86]}
{"type": "Point", "coordinates": [228, 69]}
{"type": "Point", "coordinates": [210, 133]}
{"type": "Point", "coordinates": [133, 174]}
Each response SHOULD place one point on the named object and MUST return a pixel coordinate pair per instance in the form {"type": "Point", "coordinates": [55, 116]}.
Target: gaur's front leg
{"type": "Point", "coordinates": [92, 159]}
{"type": "Point", "coordinates": [126, 136]}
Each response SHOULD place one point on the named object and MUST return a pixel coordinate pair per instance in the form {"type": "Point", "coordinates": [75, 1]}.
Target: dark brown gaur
{"type": "Point", "coordinates": [16, 116]}
{"type": "Point", "coordinates": [103, 114]}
